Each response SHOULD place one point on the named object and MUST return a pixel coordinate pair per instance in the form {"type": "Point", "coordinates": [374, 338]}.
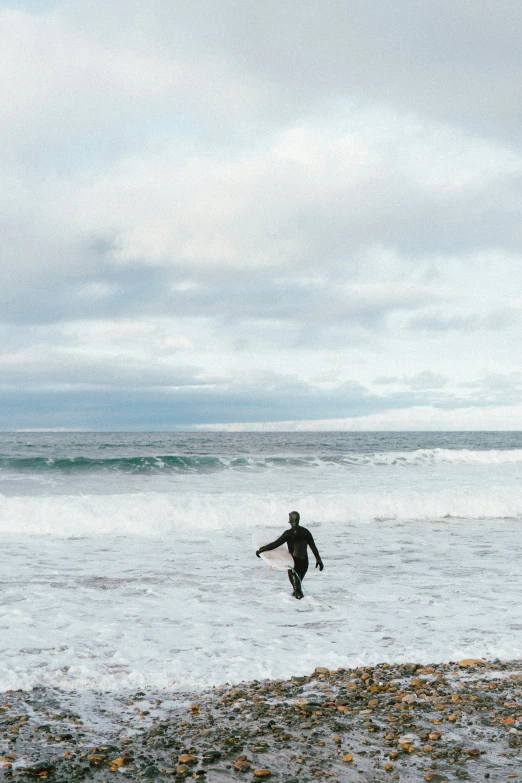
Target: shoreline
{"type": "Point", "coordinates": [406, 722]}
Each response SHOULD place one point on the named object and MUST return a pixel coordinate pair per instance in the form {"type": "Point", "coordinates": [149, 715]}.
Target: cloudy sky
{"type": "Point", "coordinates": [290, 214]}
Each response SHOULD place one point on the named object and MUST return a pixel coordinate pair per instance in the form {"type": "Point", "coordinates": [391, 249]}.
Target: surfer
{"type": "Point", "coordinates": [298, 539]}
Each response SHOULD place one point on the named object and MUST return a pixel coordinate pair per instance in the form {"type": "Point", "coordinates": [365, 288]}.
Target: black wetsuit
{"type": "Point", "coordinates": [298, 539]}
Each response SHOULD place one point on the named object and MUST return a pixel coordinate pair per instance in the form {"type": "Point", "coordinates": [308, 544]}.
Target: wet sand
{"type": "Point", "coordinates": [392, 722]}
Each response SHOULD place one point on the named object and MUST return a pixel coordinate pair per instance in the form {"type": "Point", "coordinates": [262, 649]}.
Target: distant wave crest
{"type": "Point", "coordinates": [209, 463]}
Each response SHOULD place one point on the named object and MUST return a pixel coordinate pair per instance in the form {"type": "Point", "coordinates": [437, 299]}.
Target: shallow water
{"type": "Point", "coordinates": [138, 572]}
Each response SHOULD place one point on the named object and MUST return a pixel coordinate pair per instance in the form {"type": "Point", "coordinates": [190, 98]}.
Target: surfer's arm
{"type": "Point", "coordinates": [279, 542]}
{"type": "Point", "coordinates": [311, 544]}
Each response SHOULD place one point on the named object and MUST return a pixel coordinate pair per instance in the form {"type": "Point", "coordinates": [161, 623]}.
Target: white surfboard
{"type": "Point", "coordinates": [277, 558]}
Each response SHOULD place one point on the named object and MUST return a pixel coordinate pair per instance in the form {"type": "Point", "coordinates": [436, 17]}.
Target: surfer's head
{"type": "Point", "coordinates": [294, 518]}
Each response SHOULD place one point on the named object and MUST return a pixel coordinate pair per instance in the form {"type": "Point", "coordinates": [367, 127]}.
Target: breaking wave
{"type": "Point", "coordinates": [158, 513]}
{"type": "Point", "coordinates": [209, 464]}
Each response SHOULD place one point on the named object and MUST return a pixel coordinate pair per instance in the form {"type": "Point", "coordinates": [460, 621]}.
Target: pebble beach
{"type": "Point", "coordinates": [407, 722]}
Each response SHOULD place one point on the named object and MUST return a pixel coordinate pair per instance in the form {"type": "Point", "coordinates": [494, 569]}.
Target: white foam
{"type": "Point", "coordinates": [154, 513]}
{"type": "Point", "coordinates": [426, 456]}
{"type": "Point", "coordinates": [178, 612]}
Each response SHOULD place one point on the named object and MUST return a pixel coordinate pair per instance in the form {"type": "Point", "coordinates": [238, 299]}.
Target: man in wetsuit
{"type": "Point", "coordinates": [298, 539]}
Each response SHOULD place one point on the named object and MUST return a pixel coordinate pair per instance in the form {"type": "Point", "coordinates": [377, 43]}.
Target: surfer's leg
{"type": "Point", "coordinates": [293, 581]}
{"type": "Point", "coordinates": [300, 567]}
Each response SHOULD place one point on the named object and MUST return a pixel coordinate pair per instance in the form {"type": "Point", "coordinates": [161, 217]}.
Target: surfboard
{"type": "Point", "coordinates": [277, 558]}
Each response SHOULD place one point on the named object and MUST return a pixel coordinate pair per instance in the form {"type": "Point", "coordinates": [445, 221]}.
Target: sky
{"type": "Point", "coordinates": [244, 215]}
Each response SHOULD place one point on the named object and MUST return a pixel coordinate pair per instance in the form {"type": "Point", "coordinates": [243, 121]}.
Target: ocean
{"type": "Point", "coordinates": [127, 559]}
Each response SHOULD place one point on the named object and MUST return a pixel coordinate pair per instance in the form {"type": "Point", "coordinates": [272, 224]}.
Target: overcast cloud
{"type": "Point", "coordinates": [281, 215]}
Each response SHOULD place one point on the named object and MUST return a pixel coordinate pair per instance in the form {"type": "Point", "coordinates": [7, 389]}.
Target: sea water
{"type": "Point", "coordinates": [127, 563]}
